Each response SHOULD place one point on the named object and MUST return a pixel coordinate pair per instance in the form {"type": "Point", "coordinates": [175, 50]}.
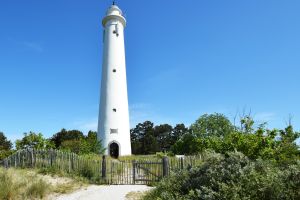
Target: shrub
{"type": "Point", "coordinates": [232, 176]}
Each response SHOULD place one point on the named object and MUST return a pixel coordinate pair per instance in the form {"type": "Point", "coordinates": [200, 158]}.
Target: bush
{"type": "Point", "coordinates": [232, 176]}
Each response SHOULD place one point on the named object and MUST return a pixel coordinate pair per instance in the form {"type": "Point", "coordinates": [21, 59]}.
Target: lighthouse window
{"type": "Point", "coordinates": [116, 31]}
{"type": "Point", "coordinates": [113, 131]}
{"type": "Point", "coordinates": [115, 110]}
{"type": "Point", "coordinates": [103, 36]}
{"type": "Point", "coordinates": [114, 70]}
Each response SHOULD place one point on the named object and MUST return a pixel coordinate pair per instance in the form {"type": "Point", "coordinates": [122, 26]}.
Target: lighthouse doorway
{"type": "Point", "coordinates": [114, 150]}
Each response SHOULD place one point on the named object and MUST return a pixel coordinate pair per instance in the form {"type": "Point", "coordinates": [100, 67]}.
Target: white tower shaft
{"type": "Point", "coordinates": [113, 126]}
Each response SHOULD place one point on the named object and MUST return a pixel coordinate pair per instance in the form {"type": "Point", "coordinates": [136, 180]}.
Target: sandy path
{"type": "Point", "coordinates": [104, 192]}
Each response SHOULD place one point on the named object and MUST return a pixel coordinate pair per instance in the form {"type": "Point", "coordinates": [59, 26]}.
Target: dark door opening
{"type": "Point", "coordinates": [114, 150]}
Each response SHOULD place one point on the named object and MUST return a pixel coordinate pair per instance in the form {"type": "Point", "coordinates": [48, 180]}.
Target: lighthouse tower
{"type": "Point", "coordinates": [113, 125]}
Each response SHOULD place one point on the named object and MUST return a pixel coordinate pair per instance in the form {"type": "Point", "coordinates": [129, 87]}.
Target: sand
{"type": "Point", "coordinates": [105, 192]}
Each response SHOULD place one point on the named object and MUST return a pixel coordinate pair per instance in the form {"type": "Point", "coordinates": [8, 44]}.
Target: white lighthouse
{"type": "Point", "coordinates": [113, 125]}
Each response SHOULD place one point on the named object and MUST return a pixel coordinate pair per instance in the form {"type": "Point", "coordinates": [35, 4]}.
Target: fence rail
{"type": "Point", "coordinates": [102, 169]}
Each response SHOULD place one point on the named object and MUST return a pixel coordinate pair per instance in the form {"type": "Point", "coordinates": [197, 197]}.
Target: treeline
{"type": "Point", "coordinates": [216, 132]}
{"type": "Point", "coordinates": [67, 140]}
{"type": "Point", "coordinates": [209, 132]}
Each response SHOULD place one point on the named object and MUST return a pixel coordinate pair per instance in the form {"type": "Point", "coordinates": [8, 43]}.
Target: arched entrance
{"type": "Point", "coordinates": [114, 150]}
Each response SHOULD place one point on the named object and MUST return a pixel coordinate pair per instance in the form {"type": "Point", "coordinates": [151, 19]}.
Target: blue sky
{"type": "Point", "coordinates": [184, 59]}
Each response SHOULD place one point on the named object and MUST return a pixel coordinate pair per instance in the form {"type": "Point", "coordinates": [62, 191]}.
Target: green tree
{"type": "Point", "coordinates": [287, 150]}
{"type": "Point", "coordinates": [33, 140]}
{"type": "Point", "coordinates": [163, 136]}
{"type": "Point", "coordinates": [189, 144]}
{"type": "Point", "coordinates": [73, 145]}
{"type": "Point", "coordinates": [247, 124]}
{"type": "Point", "coordinates": [65, 135]}
{"type": "Point", "coordinates": [212, 125]}
{"type": "Point", "coordinates": [5, 146]}
{"type": "Point", "coordinates": [84, 145]}
{"type": "Point", "coordinates": [143, 140]}
{"type": "Point", "coordinates": [94, 144]}
{"type": "Point", "coordinates": [178, 131]}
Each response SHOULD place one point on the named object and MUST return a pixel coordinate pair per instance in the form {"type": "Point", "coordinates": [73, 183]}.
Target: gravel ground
{"type": "Point", "coordinates": [104, 192]}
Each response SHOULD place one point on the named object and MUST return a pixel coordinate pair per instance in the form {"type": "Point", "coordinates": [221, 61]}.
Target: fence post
{"type": "Point", "coordinates": [165, 162]}
{"type": "Point", "coordinates": [32, 159]}
{"type": "Point", "coordinates": [72, 161]}
{"type": "Point", "coordinates": [51, 157]}
{"type": "Point", "coordinates": [133, 171]}
{"type": "Point", "coordinates": [103, 167]}
{"type": "Point", "coordinates": [5, 163]}
{"type": "Point", "coordinates": [181, 163]}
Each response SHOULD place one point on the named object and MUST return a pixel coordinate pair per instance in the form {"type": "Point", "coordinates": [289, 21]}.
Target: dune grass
{"type": "Point", "coordinates": [25, 184]}
{"type": "Point", "coordinates": [17, 184]}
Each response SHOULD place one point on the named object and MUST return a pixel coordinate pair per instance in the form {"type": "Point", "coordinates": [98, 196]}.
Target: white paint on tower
{"type": "Point", "coordinates": [113, 125]}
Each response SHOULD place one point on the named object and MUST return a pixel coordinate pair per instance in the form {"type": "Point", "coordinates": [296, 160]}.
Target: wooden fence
{"type": "Point", "coordinates": [101, 169]}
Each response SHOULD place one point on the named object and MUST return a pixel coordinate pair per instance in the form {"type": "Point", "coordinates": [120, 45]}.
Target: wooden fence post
{"type": "Point", "coordinates": [165, 162]}
{"type": "Point", "coordinates": [51, 157]}
{"type": "Point", "coordinates": [133, 171]}
{"type": "Point", "coordinates": [181, 163]}
{"type": "Point", "coordinates": [103, 167]}
{"type": "Point", "coordinates": [5, 163]}
{"type": "Point", "coordinates": [32, 159]}
{"type": "Point", "coordinates": [72, 161]}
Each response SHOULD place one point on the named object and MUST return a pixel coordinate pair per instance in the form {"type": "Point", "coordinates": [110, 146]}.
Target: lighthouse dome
{"type": "Point", "coordinates": [114, 10]}
{"type": "Point", "coordinates": [115, 13]}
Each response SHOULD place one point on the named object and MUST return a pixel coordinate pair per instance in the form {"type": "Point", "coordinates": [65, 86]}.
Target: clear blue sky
{"type": "Point", "coordinates": [184, 59]}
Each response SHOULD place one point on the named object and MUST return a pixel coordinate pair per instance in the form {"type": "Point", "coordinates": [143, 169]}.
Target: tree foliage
{"type": "Point", "coordinates": [65, 135]}
{"type": "Point", "coordinates": [149, 139]}
{"type": "Point", "coordinates": [209, 125]}
{"type": "Point", "coordinates": [143, 140]}
{"type": "Point", "coordinates": [84, 145]}
{"type": "Point", "coordinates": [34, 140]}
{"type": "Point", "coordinates": [5, 146]}
{"type": "Point", "coordinates": [276, 145]}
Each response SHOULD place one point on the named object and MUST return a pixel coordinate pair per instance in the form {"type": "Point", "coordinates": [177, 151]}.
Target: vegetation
{"type": "Point", "coordinates": [71, 141]}
{"type": "Point", "coordinates": [21, 184]}
{"type": "Point", "coordinates": [33, 140]}
{"type": "Point", "coordinates": [147, 139]}
{"type": "Point", "coordinates": [231, 176]}
{"type": "Point", "coordinates": [214, 125]}
{"type": "Point", "coordinates": [277, 145]}
{"type": "Point", "coordinates": [248, 161]}
{"type": "Point", "coordinates": [5, 146]}
{"type": "Point", "coordinates": [74, 141]}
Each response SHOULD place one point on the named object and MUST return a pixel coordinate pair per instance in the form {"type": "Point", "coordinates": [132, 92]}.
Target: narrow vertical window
{"type": "Point", "coordinates": [103, 36]}
{"type": "Point", "coordinates": [116, 31]}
